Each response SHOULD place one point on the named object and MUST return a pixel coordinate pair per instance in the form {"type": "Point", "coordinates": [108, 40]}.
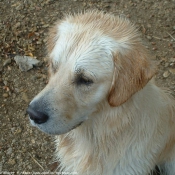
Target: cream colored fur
{"type": "Point", "coordinates": [127, 122]}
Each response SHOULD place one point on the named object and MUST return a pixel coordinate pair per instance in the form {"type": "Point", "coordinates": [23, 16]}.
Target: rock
{"type": "Point", "coordinates": [166, 64]}
{"type": "Point", "coordinates": [166, 74]}
{"type": "Point", "coordinates": [11, 161]}
{"type": "Point", "coordinates": [19, 130]}
{"type": "Point", "coordinates": [172, 60]}
{"type": "Point", "coordinates": [6, 62]}
{"type": "Point", "coordinates": [149, 25]}
{"type": "Point", "coordinates": [26, 62]}
{"type": "Point", "coordinates": [5, 83]}
{"type": "Point", "coordinates": [154, 48]}
{"type": "Point", "coordinates": [40, 63]}
{"type": "Point", "coordinates": [33, 141]}
{"type": "Point", "coordinates": [25, 97]}
{"type": "Point", "coordinates": [172, 71]}
{"type": "Point", "coordinates": [17, 25]}
{"type": "Point", "coordinates": [5, 95]}
{"type": "Point", "coordinates": [149, 37]}
{"type": "Point", "coordinates": [9, 151]}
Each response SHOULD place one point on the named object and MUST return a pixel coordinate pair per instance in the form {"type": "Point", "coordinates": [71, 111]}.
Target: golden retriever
{"type": "Point", "coordinates": [108, 116]}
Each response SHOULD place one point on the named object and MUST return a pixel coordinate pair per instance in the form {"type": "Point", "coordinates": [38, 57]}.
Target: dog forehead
{"type": "Point", "coordinates": [81, 44]}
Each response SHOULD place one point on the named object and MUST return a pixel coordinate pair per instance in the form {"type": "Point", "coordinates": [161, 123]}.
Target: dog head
{"type": "Point", "coordinates": [94, 58]}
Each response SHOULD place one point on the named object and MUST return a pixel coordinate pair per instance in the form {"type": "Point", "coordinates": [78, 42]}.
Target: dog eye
{"type": "Point", "coordinates": [84, 81]}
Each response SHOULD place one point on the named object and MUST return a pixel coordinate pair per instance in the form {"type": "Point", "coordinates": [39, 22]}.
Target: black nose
{"type": "Point", "coordinates": [37, 116]}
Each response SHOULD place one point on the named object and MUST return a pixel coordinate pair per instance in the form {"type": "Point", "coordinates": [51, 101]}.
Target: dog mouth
{"type": "Point", "coordinates": [77, 125]}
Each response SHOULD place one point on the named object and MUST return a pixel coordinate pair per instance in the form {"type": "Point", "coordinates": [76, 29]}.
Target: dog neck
{"type": "Point", "coordinates": [109, 132]}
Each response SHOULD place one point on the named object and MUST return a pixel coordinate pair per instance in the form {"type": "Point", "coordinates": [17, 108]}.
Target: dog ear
{"type": "Point", "coordinates": [132, 71]}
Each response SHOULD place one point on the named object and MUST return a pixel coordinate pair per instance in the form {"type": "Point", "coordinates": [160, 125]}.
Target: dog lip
{"type": "Point", "coordinates": [77, 125]}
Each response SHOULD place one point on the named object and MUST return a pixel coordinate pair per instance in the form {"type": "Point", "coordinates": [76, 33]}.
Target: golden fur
{"type": "Point", "coordinates": [108, 116]}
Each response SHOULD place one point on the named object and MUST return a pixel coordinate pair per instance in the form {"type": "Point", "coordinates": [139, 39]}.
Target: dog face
{"type": "Point", "coordinates": [94, 58]}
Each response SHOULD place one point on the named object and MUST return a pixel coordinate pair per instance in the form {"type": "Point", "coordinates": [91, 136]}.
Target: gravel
{"type": "Point", "coordinates": [23, 31]}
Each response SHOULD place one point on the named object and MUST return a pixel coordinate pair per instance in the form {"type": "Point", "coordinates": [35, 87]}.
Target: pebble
{"type": "Point", "coordinates": [149, 25]}
{"type": "Point", "coordinates": [19, 130]}
{"type": "Point", "coordinates": [38, 42]}
{"type": "Point", "coordinates": [154, 48]}
{"type": "Point", "coordinates": [33, 141]}
{"type": "Point", "coordinates": [17, 24]}
{"type": "Point", "coordinates": [9, 151]}
{"type": "Point", "coordinates": [166, 64]}
{"type": "Point", "coordinates": [6, 62]}
{"type": "Point", "coordinates": [5, 83]}
{"type": "Point", "coordinates": [46, 25]}
{"type": "Point", "coordinates": [172, 71]}
{"type": "Point", "coordinates": [5, 95]}
{"type": "Point", "coordinates": [25, 97]}
{"type": "Point", "coordinates": [11, 161]}
{"type": "Point", "coordinates": [166, 74]}
{"type": "Point", "coordinates": [172, 60]}
{"type": "Point", "coordinates": [149, 37]}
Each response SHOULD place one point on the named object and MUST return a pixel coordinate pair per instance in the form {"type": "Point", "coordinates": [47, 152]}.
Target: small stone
{"type": "Point", "coordinates": [153, 43]}
{"type": "Point", "coordinates": [19, 130]}
{"type": "Point", "coordinates": [149, 26]}
{"type": "Point", "coordinates": [13, 129]}
{"type": "Point", "coordinates": [17, 24]}
{"type": "Point", "coordinates": [5, 83]}
{"type": "Point", "coordinates": [23, 149]}
{"type": "Point", "coordinates": [6, 62]}
{"type": "Point", "coordinates": [11, 161]}
{"type": "Point", "coordinates": [172, 71]}
{"type": "Point", "coordinates": [38, 42]}
{"type": "Point", "coordinates": [45, 40]}
{"type": "Point", "coordinates": [172, 60]}
{"type": "Point", "coordinates": [25, 62]}
{"type": "Point", "coordinates": [149, 37]}
{"type": "Point", "coordinates": [5, 95]}
{"type": "Point", "coordinates": [9, 151]}
{"type": "Point", "coordinates": [172, 64]}
{"type": "Point", "coordinates": [166, 74]}
{"type": "Point", "coordinates": [46, 25]}
{"type": "Point", "coordinates": [25, 97]}
{"type": "Point", "coordinates": [33, 141]}
{"type": "Point", "coordinates": [154, 48]}
{"type": "Point", "coordinates": [166, 64]}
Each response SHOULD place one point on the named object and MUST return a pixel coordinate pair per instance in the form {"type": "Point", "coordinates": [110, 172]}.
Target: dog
{"type": "Point", "coordinates": [101, 102]}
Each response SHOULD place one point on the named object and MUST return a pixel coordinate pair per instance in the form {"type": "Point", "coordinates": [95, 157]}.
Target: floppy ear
{"type": "Point", "coordinates": [131, 73]}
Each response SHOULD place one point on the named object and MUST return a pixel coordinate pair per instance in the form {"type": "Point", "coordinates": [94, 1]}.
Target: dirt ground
{"type": "Point", "coordinates": [23, 30]}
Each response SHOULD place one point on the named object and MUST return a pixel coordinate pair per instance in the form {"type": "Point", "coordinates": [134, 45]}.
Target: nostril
{"type": "Point", "coordinates": [37, 116]}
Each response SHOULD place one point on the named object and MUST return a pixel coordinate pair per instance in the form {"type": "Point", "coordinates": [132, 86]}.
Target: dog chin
{"type": "Point", "coordinates": [54, 132]}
